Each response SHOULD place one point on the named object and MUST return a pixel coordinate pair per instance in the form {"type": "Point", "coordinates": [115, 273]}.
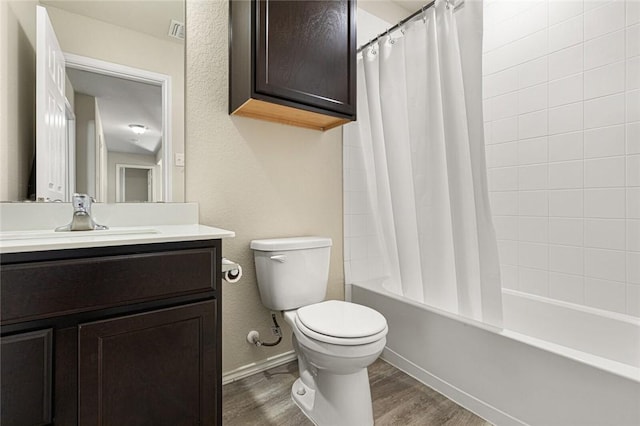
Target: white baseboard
{"type": "Point", "coordinates": [471, 403]}
{"type": "Point", "coordinates": [257, 367]}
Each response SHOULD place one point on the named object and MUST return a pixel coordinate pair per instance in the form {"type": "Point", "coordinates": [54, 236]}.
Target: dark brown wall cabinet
{"type": "Point", "coordinates": [293, 61]}
{"type": "Point", "coordinates": [112, 336]}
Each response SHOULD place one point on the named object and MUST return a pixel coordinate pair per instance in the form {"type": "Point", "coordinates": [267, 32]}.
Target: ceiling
{"type": "Point", "coordinates": [151, 17]}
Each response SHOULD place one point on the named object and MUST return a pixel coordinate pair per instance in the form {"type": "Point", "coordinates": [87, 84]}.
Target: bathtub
{"type": "Point", "coordinates": [525, 373]}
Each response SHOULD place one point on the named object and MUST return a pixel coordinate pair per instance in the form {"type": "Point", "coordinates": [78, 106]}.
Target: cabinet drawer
{"type": "Point", "coordinates": [39, 290]}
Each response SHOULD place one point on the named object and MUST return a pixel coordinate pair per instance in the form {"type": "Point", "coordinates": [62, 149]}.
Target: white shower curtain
{"type": "Point", "coordinates": [420, 123]}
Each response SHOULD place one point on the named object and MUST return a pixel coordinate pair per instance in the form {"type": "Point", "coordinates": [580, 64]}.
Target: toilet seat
{"type": "Point", "coordinates": [341, 323]}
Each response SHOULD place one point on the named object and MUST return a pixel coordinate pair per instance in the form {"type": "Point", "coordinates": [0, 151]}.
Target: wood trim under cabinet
{"type": "Point", "coordinates": [254, 108]}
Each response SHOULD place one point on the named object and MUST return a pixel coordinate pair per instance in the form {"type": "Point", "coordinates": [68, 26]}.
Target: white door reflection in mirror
{"type": "Point", "coordinates": [52, 147]}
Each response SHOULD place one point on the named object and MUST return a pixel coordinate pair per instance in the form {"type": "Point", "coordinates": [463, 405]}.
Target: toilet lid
{"type": "Point", "coordinates": [341, 319]}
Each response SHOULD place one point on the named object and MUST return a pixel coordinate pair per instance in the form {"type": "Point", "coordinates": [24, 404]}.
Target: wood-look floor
{"type": "Point", "coordinates": [264, 399]}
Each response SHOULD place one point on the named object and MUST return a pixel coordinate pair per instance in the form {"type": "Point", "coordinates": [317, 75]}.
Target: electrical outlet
{"type": "Point", "coordinates": [179, 159]}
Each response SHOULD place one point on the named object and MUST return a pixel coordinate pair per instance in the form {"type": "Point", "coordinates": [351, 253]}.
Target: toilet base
{"type": "Point", "coordinates": [338, 400]}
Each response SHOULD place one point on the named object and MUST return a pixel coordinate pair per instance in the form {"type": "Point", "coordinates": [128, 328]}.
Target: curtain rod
{"type": "Point", "coordinates": [396, 26]}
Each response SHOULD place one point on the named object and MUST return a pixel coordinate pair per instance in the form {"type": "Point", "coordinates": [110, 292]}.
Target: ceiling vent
{"type": "Point", "coordinates": [176, 29]}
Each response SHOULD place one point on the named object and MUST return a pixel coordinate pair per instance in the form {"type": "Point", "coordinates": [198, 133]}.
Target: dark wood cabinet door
{"type": "Point", "coordinates": [306, 52]}
{"type": "Point", "coordinates": [154, 368]}
{"type": "Point", "coordinates": [26, 379]}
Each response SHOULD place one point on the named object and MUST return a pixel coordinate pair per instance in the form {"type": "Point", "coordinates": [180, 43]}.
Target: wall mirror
{"type": "Point", "coordinates": [98, 100]}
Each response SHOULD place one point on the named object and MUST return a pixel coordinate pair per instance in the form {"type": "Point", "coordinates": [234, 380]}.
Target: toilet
{"type": "Point", "coordinates": [335, 341]}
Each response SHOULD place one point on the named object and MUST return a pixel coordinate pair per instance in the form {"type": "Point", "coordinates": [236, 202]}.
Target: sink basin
{"type": "Point", "coordinates": [37, 235]}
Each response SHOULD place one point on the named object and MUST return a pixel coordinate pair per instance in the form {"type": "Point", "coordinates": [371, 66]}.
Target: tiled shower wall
{"type": "Point", "coordinates": [562, 109]}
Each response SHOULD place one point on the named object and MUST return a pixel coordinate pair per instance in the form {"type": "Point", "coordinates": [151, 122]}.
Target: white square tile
{"type": "Point", "coordinates": [532, 72]}
{"type": "Point", "coordinates": [533, 281]}
{"type": "Point", "coordinates": [633, 235]}
{"type": "Point", "coordinates": [604, 172]}
{"type": "Point", "coordinates": [533, 255]}
{"type": "Point", "coordinates": [569, 288]}
{"type": "Point", "coordinates": [566, 62]}
{"type": "Point", "coordinates": [531, 47]}
{"type": "Point", "coordinates": [509, 277]}
{"type": "Point", "coordinates": [533, 177]}
{"type": "Point", "coordinates": [567, 118]}
{"type": "Point", "coordinates": [633, 106]}
{"type": "Point", "coordinates": [566, 231]}
{"type": "Point", "coordinates": [503, 155]}
{"type": "Point", "coordinates": [566, 175]}
{"type": "Point", "coordinates": [633, 73]}
{"type": "Point", "coordinates": [505, 106]}
{"type": "Point", "coordinates": [563, 10]}
{"type": "Point", "coordinates": [604, 142]}
{"type": "Point", "coordinates": [504, 203]}
{"type": "Point", "coordinates": [508, 252]}
{"type": "Point", "coordinates": [633, 267]}
{"type": "Point", "coordinates": [605, 264]}
{"type": "Point", "coordinates": [532, 20]}
{"type": "Point", "coordinates": [633, 203]}
{"type": "Point", "coordinates": [605, 233]}
{"type": "Point", "coordinates": [604, 20]}
{"type": "Point", "coordinates": [566, 33]}
{"type": "Point", "coordinates": [566, 90]}
{"type": "Point", "coordinates": [633, 170]}
{"type": "Point", "coordinates": [633, 299]}
{"type": "Point", "coordinates": [505, 130]}
{"type": "Point", "coordinates": [533, 229]}
{"type": "Point", "coordinates": [566, 203]}
{"type": "Point", "coordinates": [633, 40]}
{"type": "Point", "coordinates": [503, 179]}
{"type": "Point", "coordinates": [500, 83]}
{"type": "Point", "coordinates": [605, 80]}
{"type": "Point", "coordinates": [607, 111]}
{"type": "Point", "coordinates": [633, 138]}
{"type": "Point", "coordinates": [532, 151]}
{"type": "Point", "coordinates": [488, 133]}
{"type": "Point", "coordinates": [604, 50]}
{"type": "Point", "coordinates": [566, 259]}
{"type": "Point", "coordinates": [604, 203]}
{"type": "Point", "coordinates": [506, 227]}
{"type": "Point", "coordinates": [532, 98]}
{"type": "Point", "coordinates": [533, 203]}
{"type": "Point", "coordinates": [633, 11]}
{"type": "Point", "coordinates": [607, 295]}
{"type": "Point", "coordinates": [566, 146]}
{"type": "Point", "coordinates": [592, 4]}
{"type": "Point", "coordinates": [532, 125]}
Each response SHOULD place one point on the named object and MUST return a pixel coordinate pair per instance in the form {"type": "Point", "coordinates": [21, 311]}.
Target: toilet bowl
{"type": "Point", "coordinates": [335, 341]}
{"type": "Point", "coordinates": [333, 388]}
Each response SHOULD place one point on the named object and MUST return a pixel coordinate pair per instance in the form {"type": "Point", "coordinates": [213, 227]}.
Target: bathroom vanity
{"type": "Point", "coordinates": [116, 328]}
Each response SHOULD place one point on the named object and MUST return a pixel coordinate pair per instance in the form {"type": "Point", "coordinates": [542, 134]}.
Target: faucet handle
{"type": "Point", "coordinates": [82, 203]}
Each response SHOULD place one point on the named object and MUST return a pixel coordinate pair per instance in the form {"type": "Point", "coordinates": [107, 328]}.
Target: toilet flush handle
{"type": "Point", "coordinates": [279, 258]}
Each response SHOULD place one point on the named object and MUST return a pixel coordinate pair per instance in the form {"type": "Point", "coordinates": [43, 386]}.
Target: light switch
{"type": "Point", "coordinates": [179, 159]}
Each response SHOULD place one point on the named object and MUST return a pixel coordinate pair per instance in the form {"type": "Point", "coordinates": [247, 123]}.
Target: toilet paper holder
{"type": "Point", "coordinates": [231, 271]}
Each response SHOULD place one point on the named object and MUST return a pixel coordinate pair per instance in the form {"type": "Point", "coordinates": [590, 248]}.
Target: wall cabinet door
{"type": "Point", "coordinates": [304, 52]}
{"type": "Point", "coordinates": [156, 367]}
{"type": "Point", "coordinates": [26, 379]}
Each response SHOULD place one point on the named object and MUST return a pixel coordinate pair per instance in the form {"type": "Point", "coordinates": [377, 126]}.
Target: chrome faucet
{"type": "Point", "coordinates": [82, 220]}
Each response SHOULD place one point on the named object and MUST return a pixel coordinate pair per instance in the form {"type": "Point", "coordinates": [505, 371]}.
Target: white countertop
{"type": "Point", "coordinates": [27, 241]}
{"type": "Point", "coordinates": [29, 227]}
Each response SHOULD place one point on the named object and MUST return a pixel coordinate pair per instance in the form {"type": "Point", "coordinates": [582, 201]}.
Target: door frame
{"type": "Point", "coordinates": [120, 182]}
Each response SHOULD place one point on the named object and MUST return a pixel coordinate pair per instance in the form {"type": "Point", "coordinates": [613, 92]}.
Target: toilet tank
{"type": "Point", "coordinates": [292, 272]}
